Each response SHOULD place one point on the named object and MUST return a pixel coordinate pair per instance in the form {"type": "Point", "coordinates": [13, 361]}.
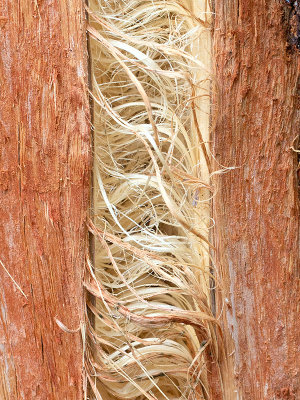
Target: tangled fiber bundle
{"type": "Point", "coordinates": [151, 331]}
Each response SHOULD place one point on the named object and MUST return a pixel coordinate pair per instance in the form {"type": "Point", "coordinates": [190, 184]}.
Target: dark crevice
{"type": "Point", "coordinates": [42, 348]}
{"type": "Point", "coordinates": [293, 24]}
{"type": "Point", "coordinates": [91, 213]}
{"type": "Point", "coordinates": [89, 298]}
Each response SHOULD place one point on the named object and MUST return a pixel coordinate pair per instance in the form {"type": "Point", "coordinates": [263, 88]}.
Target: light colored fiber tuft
{"type": "Point", "coordinates": [153, 329]}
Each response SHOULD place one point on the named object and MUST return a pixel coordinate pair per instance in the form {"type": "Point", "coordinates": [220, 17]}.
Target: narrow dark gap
{"type": "Point", "coordinates": [91, 298]}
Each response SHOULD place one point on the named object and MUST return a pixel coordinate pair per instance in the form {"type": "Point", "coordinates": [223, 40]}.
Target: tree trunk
{"type": "Point", "coordinates": [256, 207]}
{"type": "Point", "coordinates": [44, 192]}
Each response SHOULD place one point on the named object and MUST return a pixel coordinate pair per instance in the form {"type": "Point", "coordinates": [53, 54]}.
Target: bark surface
{"type": "Point", "coordinates": [256, 207]}
{"type": "Point", "coordinates": [44, 184]}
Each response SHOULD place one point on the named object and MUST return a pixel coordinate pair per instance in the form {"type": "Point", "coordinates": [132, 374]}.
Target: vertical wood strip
{"type": "Point", "coordinates": [44, 193]}
{"type": "Point", "coordinates": [256, 207]}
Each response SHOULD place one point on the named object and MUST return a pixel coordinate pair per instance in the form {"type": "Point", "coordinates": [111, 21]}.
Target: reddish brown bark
{"type": "Point", "coordinates": [44, 180]}
{"type": "Point", "coordinates": [256, 207]}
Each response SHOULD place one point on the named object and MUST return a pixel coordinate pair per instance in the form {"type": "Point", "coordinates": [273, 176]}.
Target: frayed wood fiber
{"type": "Point", "coordinates": [152, 335]}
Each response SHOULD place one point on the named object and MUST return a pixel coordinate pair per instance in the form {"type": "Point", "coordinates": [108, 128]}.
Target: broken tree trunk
{"type": "Point", "coordinates": [44, 184]}
{"type": "Point", "coordinates": [256, 207]}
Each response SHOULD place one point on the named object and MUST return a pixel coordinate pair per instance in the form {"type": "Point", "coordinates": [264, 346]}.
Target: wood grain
{"type": "Point", "coordinates": [44, 193]}
{"type": "Point", "coordinates": [256, 208]}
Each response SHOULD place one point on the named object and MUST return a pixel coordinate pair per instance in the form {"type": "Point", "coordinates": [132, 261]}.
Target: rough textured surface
{"type": "Point", "coordinates": [44, 179]}
{"type": "Point", "coordinates": [256, 207]}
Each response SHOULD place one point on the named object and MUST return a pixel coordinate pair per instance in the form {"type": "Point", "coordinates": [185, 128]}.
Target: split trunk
{"type": "Point", "coordinates": [44, 187]}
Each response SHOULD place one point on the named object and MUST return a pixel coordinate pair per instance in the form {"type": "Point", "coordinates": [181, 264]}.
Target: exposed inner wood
{"type": "Point", "coordinates": [155, 334]}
